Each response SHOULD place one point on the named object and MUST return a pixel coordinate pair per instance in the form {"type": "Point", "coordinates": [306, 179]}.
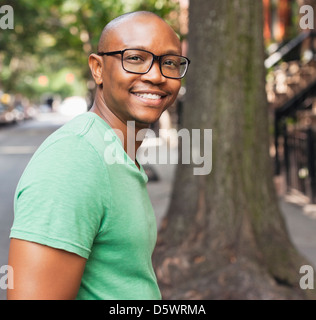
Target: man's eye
{"type": "Point", "coordinates": [171, 64]}
{"type": "Point", "coordinates": [134, 59]}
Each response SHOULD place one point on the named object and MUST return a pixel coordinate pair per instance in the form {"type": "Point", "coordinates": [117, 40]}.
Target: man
{"type": "Point", "coordinates": [84, 228]}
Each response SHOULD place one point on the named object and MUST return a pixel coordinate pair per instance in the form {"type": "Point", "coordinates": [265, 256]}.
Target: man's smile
{"type": "Point", "coordinates": [150, 97]}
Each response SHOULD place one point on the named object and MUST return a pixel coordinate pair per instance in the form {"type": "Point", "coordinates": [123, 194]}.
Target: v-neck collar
{"type": "Point", "coordinates": [110, 133]}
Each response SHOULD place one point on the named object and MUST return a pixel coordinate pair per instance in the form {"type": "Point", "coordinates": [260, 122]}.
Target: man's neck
{"type": "Point", "coordinates": [128, 130]}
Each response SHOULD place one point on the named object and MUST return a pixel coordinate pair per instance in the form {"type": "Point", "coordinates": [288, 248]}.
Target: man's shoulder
{"type": "Point", "coordinates": [78, 141]}
{"type": "Point", "coordinates": [83, 129]}
{"type": "Point", "coordinates": [67, 152]}
{"type": "Point", "coordinates": [81, 125]}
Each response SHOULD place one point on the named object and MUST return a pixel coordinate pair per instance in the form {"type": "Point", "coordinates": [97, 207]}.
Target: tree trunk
{"type": "Point", "coordinates": [223, 236]}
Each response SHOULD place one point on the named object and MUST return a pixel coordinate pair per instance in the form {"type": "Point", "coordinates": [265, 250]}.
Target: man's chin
{"type": "Point", "coordinates": [144, 124]}
{"type": "Point", "coordinates": [147, 120]}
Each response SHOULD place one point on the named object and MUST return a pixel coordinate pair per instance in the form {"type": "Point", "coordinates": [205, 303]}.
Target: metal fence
{"type": "Point", "coordinates": [299, 161]}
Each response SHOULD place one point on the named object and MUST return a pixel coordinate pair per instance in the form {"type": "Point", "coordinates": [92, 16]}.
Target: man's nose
{"type": "Point", "coordinates": [154, 74]}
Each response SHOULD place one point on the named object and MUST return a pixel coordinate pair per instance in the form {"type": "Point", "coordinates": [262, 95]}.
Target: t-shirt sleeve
{"type": "Point", "coordinates": [62, 197]}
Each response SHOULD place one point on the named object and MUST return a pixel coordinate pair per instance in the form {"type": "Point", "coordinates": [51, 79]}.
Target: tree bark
{"type": "Point", "coordinates": [223, 236]}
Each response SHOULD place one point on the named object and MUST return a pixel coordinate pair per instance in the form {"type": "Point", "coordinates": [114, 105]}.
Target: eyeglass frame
{"type": "Point", "coordinates": [155, 58]}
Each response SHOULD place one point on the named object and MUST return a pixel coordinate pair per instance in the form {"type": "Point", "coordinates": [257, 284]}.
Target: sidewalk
{"type": "Point", "coordinates": [300, 217]}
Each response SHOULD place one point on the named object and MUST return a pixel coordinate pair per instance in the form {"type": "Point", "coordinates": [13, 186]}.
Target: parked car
{"type": "Point", "coordinates": [19, 113]}
{"type": "Point", "coordinates": [6, 114]}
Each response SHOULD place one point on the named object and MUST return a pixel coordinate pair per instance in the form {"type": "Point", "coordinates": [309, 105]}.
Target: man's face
{"type": "Point", "coordinates": [127, 94]}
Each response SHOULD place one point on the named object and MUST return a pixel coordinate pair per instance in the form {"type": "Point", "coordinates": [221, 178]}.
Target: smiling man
{"type": "Point", "coordinates": [84, 228]}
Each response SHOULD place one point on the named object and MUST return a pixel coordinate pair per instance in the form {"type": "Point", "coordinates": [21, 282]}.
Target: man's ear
{"type": "Point", "coordinates": [95, 64]}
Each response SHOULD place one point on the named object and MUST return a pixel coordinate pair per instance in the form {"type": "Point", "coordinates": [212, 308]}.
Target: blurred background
{"type": "Point", "coordinates": [45, 81]}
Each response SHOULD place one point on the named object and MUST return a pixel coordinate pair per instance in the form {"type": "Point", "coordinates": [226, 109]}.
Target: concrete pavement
{"type": "Point", "coordinates": [300, 218]}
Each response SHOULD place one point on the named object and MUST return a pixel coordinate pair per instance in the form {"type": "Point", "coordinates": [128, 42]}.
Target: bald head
{"type": "Point", "coordinates": [128, 18]}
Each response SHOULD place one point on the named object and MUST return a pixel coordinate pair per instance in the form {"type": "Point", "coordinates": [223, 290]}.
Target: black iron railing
{"type": "Point", "coordinates": [295, 155]}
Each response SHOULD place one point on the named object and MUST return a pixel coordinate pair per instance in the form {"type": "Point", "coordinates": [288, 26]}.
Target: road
{"type": "Point", "coordinates": [17, 144]}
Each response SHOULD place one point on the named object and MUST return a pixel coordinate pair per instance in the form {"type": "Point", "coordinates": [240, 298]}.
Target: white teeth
{"type": "Point", "coordinates": [148, 96]}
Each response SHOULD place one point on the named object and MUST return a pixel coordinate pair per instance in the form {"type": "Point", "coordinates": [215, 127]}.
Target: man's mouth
{"type": "Point", "coordinates": [153, 98]}
{"type": "Point", "coordinates": [150, 96]}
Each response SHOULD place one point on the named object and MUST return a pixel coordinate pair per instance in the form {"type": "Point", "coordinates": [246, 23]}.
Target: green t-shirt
{"type": "Point", "coordinates": [69, 197]}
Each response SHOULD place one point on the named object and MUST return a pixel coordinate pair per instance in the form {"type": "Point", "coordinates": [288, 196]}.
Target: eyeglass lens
{"type": "Point", "coordinates": [139, 61]}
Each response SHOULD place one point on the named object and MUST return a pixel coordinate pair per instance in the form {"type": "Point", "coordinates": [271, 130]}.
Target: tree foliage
{"type": "Point", "coordinates": [54, 37]}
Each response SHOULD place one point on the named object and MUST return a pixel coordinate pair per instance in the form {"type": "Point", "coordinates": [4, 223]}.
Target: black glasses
{"type": "Point", "coordinates": [140, 62]}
